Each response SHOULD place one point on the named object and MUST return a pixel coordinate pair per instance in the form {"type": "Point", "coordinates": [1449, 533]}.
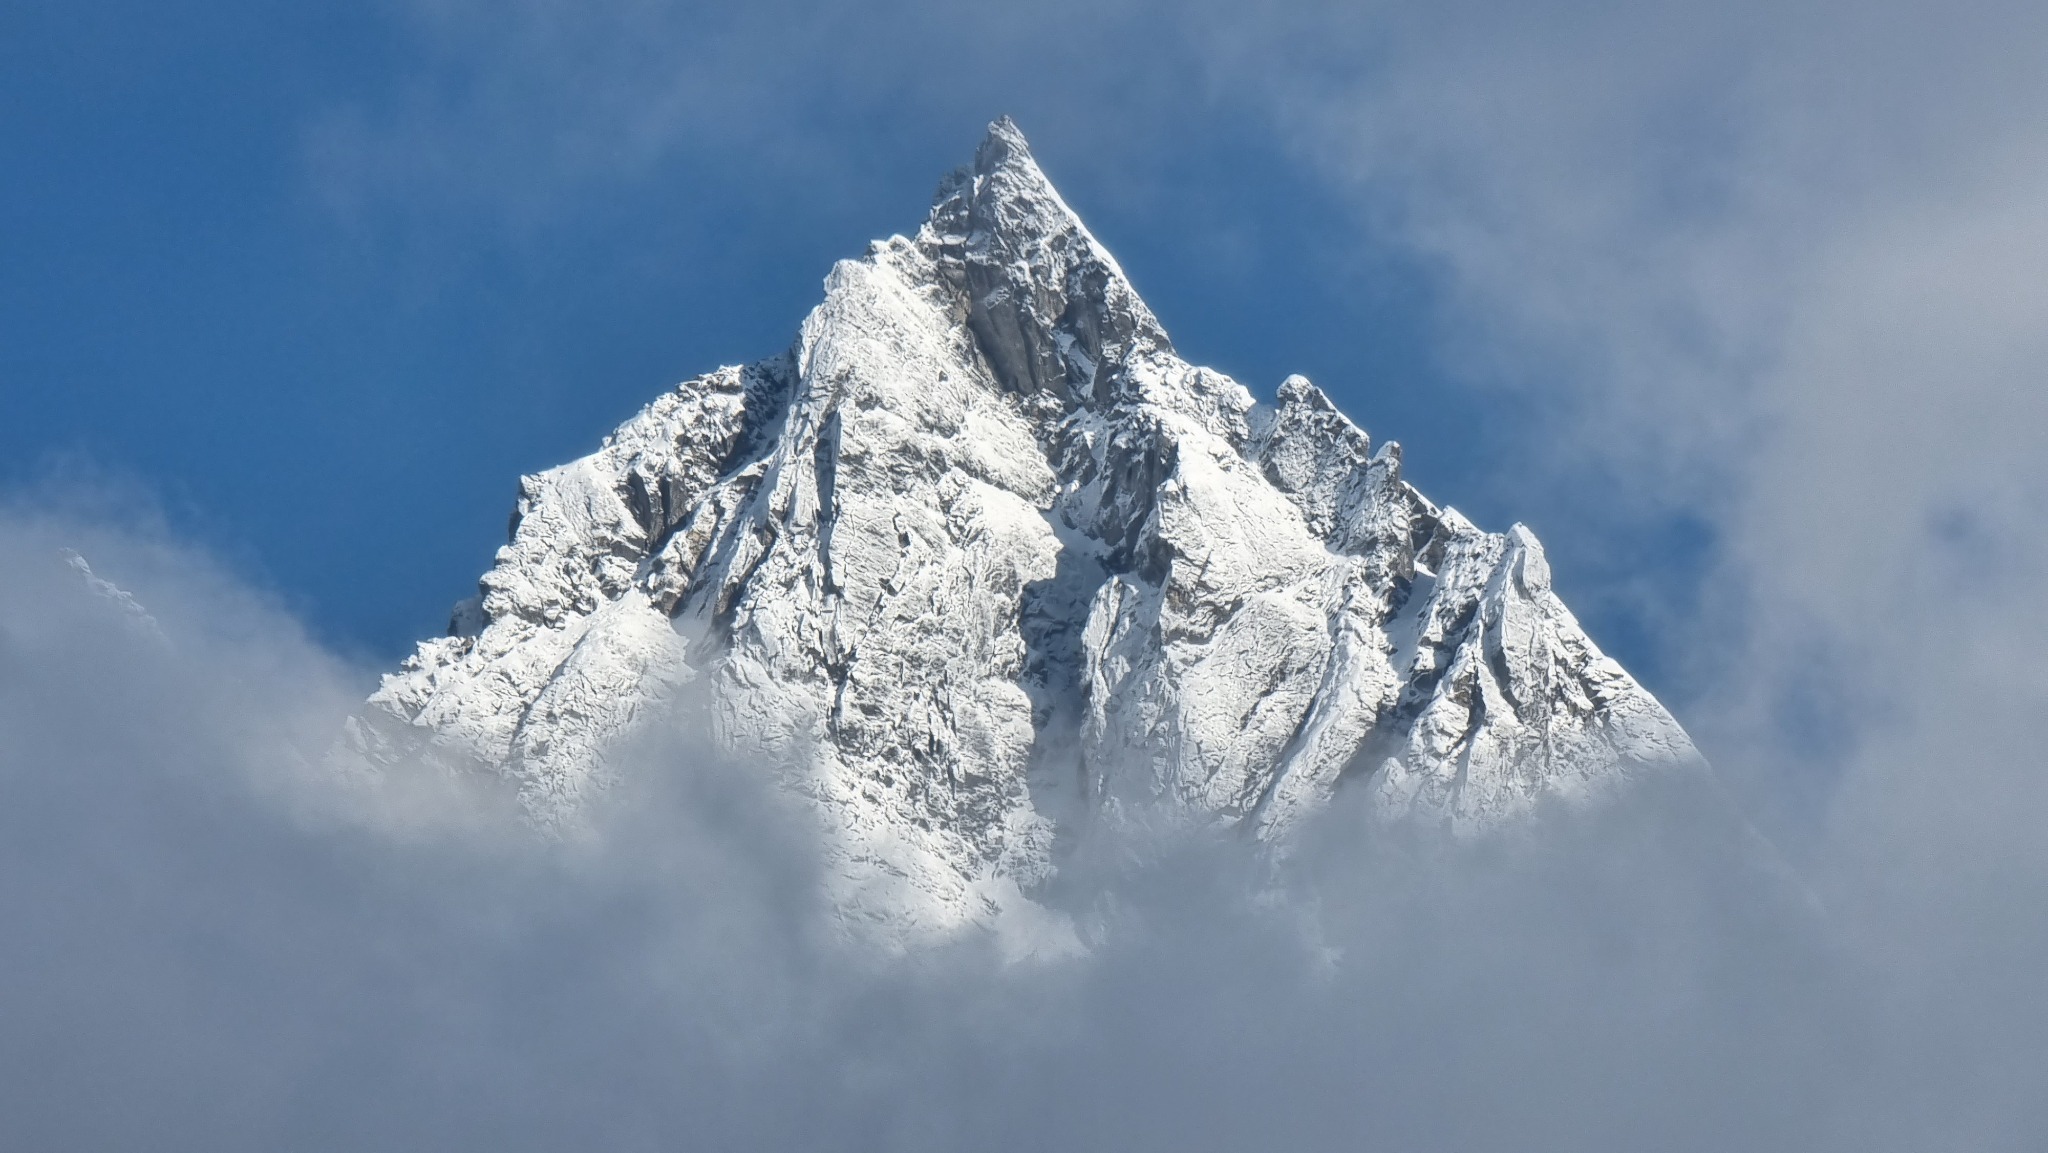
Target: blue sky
{"type": "Point", "coordinates": [332, 370]}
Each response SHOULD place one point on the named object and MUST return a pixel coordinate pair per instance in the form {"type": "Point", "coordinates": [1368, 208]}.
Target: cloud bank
{"type": "Point", "coordinates": [214, 942]}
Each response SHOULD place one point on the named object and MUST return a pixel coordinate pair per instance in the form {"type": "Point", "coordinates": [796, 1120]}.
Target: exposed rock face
{"type": "Point", "coordinates": [980, 561]}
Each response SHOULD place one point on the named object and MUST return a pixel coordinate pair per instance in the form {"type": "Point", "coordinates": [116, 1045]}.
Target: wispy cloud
{"type": "Point", "coordinates": [214, 941]}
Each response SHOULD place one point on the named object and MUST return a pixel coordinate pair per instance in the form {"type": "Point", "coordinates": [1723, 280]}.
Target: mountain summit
{"type": "Point", "coordinates": [979, 562]}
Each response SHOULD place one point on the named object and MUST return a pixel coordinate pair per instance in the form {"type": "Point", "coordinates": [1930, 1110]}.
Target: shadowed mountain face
{"type": "Point", "coordinates": [979, 563]}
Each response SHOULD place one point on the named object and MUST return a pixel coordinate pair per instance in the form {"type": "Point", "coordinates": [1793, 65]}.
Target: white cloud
{"type": "Point", "coordinates": [211, 944]}
{"type": "Point", "coordinates": [214, 943]}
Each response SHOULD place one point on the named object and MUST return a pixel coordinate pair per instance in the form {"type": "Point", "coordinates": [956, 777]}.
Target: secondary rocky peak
{"type": "Point", "coordinates": [988, 572]}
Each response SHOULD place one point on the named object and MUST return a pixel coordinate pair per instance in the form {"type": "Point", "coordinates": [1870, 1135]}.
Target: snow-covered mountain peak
{"type": "Point", "coordinates": [987, 570]}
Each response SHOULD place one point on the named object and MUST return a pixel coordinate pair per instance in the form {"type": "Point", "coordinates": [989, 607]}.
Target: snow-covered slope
{"type": "Point", "coordinates": [980, 561]}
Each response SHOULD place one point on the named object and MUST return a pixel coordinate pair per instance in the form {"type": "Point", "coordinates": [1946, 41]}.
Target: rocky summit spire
{"type": "Point", "coordinates": [987, 571]}
{"type": "Point", "coordinates": [1048, 306]}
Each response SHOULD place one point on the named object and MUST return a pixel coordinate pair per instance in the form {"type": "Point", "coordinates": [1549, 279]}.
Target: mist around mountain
{"type": "Point", "coordinates": [213, 941]}
{"type": "Point", "coordinates": [216, 942]}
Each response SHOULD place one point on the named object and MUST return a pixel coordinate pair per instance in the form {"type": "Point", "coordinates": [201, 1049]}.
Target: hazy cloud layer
{"type": "Point", "coordinates": [216, 943]}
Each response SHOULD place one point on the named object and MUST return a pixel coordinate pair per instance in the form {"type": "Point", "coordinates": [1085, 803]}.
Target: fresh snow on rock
{"type": "Point", "coordinates": [980, 563]}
